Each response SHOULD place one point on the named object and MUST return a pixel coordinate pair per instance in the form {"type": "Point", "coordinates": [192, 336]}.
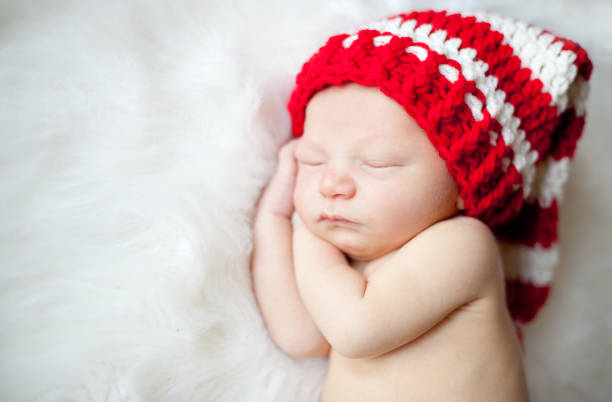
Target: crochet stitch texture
{"type": "Point", "coordinates": [502, 101]}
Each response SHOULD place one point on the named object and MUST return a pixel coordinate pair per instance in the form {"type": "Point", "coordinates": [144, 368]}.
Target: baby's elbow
{"type": "Point", "coordinates": [302, 348]}
{"type": "Point", "coordinates": [352, 351]}
{"type": "Point", "coordinates": [358, 345]}
{"type": "Point", "coordinates": [320, 350]}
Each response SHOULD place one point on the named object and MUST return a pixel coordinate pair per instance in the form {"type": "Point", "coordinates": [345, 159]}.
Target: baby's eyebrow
{"type": "Point", "coordinates": [381, 140]}
{"type": "Point", "coordinates": [309, 144]}
{"type": "Point", "coordinates": [383, 144]}
{"type": "Point", "coordinates": [372, 143]}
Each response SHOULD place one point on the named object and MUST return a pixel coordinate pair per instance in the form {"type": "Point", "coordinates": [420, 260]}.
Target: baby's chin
{"type": "Point", "coordinates": [356, 249]}
{"type": "Point", "coordinates": [360, 247]}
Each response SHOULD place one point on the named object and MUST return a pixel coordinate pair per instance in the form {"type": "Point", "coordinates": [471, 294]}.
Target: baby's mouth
{"type": "Point", "coordinates": [336, 219]}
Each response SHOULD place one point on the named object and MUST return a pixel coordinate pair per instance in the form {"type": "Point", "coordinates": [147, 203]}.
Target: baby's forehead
{"type": "Point", "coordinates": [364, 140]}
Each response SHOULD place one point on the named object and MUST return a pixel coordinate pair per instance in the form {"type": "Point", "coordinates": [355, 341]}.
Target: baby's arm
{"type": "Point", "coordinates": [444, 267]}
{"type": "Point", "coordinates": [332, 291]}
{"type": "Point", "coordinates": [287, 320]}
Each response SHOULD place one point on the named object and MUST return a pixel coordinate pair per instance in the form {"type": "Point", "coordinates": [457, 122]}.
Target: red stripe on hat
{"type": "Point", "coordinates": [533, 225]}
{"type": "Point", "coordinates": [524, 300]}
{"type": "Point", "coordinates": [501, 203]}
{"type": "Point", "coordinates": [566, 136]}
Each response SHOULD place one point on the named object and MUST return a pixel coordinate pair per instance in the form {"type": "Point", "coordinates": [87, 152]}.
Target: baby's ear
{"type": "Point", "coordinates": [460, 203]}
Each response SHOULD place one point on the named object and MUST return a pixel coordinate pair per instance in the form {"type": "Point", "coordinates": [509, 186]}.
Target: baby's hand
{"type": "Point", "coordinates": [277, 197]}
{"type": "Point", "coordinates": [297, 223]}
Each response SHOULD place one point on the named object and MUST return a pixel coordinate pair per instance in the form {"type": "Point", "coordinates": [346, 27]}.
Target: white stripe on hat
{"type": "Point", "coordinates": [347, 42]}
{"type": "Point", "coordinates": [550, 179]}
{"type": "Point", "coordinates": [418, 51]}
{"type": "Point", "coordinates": [578, 94]}
{"type": "Point", "coordinates": [529, 264]}
{"type": "Point", "coordinates": [382, 40]}
{"type": "Point", "coordinates": [449, 72]}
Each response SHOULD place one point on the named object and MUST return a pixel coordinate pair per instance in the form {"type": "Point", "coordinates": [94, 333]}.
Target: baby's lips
{"type": "Point", "coordinates": [335, 218]}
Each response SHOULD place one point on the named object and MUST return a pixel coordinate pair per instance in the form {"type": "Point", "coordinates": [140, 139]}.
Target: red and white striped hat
{"type": "Point", "coordinates": [502, 101]}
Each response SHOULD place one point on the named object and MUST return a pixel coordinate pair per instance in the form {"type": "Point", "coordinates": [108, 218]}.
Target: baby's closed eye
{"type": "Point", "coordinates": [310, 161]}
{"type": "Point", "coordinates": [382, 164]}
{"type": "Point", "coordinates": [309, 158]}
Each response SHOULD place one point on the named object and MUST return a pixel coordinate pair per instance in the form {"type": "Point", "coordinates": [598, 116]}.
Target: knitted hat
{"type": "Point", "coordinates": [502, 101]}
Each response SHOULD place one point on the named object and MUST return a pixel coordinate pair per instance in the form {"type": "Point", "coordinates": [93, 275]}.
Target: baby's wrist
{"type": "Point", "coordinates": [267, 218]}
{"type": "Point", "coordinates": [274, 210]}
{"type": "Point", "coordinates": [272, 204]}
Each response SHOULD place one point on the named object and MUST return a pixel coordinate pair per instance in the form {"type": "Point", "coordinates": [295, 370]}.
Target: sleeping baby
{"type": "Point", "coordinates": [373, 241]}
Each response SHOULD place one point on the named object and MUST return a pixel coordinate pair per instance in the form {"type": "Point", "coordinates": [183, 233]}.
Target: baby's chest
{"type": "Point", "coordinates": [390, 377]}
{"type": "Point", "coordinates": [412, 374]}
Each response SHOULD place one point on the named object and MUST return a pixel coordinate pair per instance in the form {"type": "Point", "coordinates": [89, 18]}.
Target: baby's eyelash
{"type": "Point", "coordinates": [381, 164]}
{"type": "Point", "coordinates": [309, 163]}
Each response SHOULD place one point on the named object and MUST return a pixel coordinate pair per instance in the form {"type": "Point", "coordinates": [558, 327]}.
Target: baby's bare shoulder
{"type": "Point", "coordinates": [460, 224]}
{"type": "Point", "coordinates": [457, 244]}
{"type": "Point", "coordinates": [455, 234]}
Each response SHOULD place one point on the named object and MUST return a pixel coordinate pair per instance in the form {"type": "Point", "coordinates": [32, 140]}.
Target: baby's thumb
{"type": "Point", "coordinates": [286, 158]}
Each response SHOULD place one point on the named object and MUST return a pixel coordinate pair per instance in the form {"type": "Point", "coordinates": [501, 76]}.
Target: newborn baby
{"type": "Point", "coordinates": [405, 295]}
{"type": "Point", "coordinates": [424, 138]}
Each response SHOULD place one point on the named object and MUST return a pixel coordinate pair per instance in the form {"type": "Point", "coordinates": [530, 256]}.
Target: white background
{"type": "Point", "coordinates": [135, 139]}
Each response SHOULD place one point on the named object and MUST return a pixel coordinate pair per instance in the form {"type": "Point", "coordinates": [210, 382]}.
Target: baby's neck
{"type": "Point", "coordinates": [358, 265]}
{"type": "Point", "coordinates": [367, 267]}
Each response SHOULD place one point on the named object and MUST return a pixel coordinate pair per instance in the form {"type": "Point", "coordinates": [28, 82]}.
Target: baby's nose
{"type": "Point", "coordinates": [335, 183]}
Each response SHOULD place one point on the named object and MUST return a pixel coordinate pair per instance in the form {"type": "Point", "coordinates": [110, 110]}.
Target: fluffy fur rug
{"type": "Point", "coordinates": [136, 137]}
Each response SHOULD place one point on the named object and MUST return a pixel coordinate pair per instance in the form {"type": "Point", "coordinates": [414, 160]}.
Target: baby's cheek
{"type": "Point", "coordinates": [393, 212]}
{"type": "Point", "coordinates": [297, 192]}
{"type": "Point", "coordinates": [299, 200]}
{"type": "Point", "coordinates": [303, 186]}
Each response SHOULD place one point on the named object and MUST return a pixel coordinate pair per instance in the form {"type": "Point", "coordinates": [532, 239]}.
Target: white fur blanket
{"type": "Point", "coordinates": [136, 137]}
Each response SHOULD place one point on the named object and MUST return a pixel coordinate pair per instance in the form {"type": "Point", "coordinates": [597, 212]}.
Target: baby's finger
{"type": "Point", "coordinates": [286, 157]}
{"type": "Point", "coordinates": [288, 149]}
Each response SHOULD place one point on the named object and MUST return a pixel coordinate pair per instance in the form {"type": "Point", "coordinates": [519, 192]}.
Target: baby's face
{"type": "Point", "coordinates": [362, 158]}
